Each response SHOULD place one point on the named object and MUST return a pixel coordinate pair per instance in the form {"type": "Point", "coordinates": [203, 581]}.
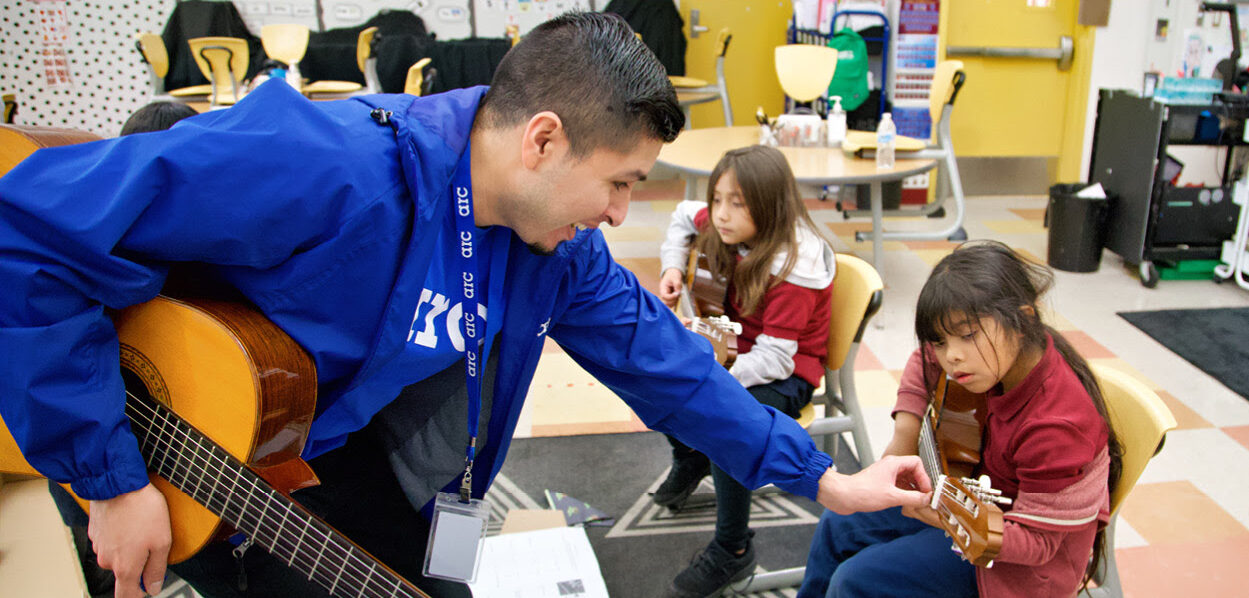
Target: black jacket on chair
{"type": "Point", "coordinates": [661, 27]}
{"type": "Point", "coordinates": [202, 18]}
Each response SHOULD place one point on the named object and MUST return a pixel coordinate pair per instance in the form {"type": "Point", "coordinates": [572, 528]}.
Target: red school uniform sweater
{"type": "Point", "coordinates": [1045, 447]}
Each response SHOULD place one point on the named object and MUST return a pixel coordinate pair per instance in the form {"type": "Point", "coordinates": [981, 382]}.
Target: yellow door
{"type": "Point", "coordinates": [1018, 106]}
{"type": "Point", "coordinates": [749, 70]}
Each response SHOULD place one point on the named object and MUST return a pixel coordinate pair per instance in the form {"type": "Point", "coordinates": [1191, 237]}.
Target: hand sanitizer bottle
{"type": "Point", "coordinates": [886, 138]}
{"type": "Point", "coordinates": [836, 124]}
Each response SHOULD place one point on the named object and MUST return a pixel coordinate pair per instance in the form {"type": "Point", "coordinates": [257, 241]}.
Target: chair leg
{"type": "Point", "coordinates": [1107, 575]}
{"type": "Point", "coordinates": [850, 399]}
{"type": "Point", "coordinates": [772, 580]}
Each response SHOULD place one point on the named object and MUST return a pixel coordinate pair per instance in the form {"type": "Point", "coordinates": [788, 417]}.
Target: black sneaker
{"type": "Point", "coordinates": [711, 571]}
{"type": "Point", "coordinates": [683, 478]}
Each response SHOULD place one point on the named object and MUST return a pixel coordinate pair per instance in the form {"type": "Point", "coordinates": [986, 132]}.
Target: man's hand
{"type": "Point", "coordinates": [130, 533]}
{"type": "Point", "coordinates": [892, 481]}
{"type": "Point", "coordinates": [925, 514]}
{"type": "Point", "coordinates": [670, 286]}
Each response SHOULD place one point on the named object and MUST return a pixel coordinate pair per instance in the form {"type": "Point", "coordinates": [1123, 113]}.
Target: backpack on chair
{"type": "Point", "coordinates": [850, 77]}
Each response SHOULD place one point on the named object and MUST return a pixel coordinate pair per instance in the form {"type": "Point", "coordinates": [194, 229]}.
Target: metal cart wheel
{"type": "Point", "coordinates": [1149, 274]}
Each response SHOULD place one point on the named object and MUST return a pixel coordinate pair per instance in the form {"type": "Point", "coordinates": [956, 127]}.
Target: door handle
{"type": "Point", "coordinates": [695, 28]}
{"type": "Point", "coordinates": [1063, 53]}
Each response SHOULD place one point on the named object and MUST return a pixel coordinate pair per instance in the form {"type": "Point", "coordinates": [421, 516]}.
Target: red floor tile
{"type": "Point", "coordinates": [1215, 568]}
{"type": "Point", "coordinates": [1086, 346]}
{"type": "Point", "coordinates": [1239, 434]}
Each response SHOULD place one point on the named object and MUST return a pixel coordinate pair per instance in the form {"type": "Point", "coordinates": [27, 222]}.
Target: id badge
{"type": "Point", "coordinates": [455, 538]}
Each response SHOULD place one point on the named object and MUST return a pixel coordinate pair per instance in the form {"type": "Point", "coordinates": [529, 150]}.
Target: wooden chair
{"type": "Point", "coordinates": [366, 61]}
{"type": "Point", "coordinates": [418, 83]}
{"type": "Point", "coordinates": [152, 49]}
{"type": "Point", "coordinates": [1142, 421]}
{"type": "Point", "coordinates": [224, 61]}
{"type": "Point", "coordinates": [691, 90]}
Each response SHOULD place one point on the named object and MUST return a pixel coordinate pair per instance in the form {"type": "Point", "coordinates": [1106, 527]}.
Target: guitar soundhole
{"type": "Point", "coordinates": [141, 376]}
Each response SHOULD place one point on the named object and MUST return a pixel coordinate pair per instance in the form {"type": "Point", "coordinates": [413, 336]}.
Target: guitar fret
{"type": "Point", "coordinates": [303, 530]}
{"type": "Point", "coordinates": [317, 561]}
{"type": "Point", "coordinates": [342, 568]}
{"type": "Point", "coordinates": [365, 584]}
{"type": "Point", "coordinates": [395, 592]}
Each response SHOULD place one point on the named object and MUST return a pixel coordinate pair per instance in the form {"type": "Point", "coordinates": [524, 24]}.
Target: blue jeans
{"type": "Point", "coordinates": [883, 553]}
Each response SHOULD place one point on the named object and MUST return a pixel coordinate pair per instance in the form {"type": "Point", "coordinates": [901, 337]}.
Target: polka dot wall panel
{"type": "Point", "coordinates": [107, 78]}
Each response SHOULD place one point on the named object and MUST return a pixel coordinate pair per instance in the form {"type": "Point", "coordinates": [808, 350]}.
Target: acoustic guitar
{"type": "Point", "coordinates": [220, 401]}
{"type": "Point", "coordinates": [702, 302]}
{"type": "Point", "coordinates": [949, 441]}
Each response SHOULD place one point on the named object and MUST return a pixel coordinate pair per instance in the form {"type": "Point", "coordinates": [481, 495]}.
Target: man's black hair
{"type": "Point", "coordinates": [589, 68]}
{"type": "Point", "coordinates": [156, 116]}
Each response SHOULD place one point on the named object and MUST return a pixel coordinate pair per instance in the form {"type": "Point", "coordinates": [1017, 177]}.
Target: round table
{"type": "Point", "coordinates": [696, 152]}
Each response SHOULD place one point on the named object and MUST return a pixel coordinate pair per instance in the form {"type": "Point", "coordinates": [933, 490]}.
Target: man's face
{"type": "Point", "coordinates": [574, 192]}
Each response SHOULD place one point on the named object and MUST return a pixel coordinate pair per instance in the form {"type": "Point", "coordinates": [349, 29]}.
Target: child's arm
{"type": "Point", "coordinates": [675, 250]}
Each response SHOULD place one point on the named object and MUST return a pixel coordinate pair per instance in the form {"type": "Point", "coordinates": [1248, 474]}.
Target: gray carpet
{"type": "Point", "coordinates": [648, 545]}
{"type": "Point", "coordinates": [1214, 340]}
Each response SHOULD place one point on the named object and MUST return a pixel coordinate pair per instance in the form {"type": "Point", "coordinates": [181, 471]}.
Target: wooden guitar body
{"type": "Point", "coordinates": [949, 446]}
{"type": "Point", "coordinates": [18, 141]}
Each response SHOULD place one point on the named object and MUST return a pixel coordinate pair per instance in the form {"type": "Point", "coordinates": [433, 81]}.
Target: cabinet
{"type": "Point", "coordinates": [1150, 220]}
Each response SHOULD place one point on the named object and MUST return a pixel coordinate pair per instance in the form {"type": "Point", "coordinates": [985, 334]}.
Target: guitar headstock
{"type": "Point", "coordinates": [723, 336]}
{"type": "Point", "coordinates": [970, 517]}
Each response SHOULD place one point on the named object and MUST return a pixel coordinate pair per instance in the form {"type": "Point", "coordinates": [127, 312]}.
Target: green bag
{"type": "Point", "coordinates": [850, 77]}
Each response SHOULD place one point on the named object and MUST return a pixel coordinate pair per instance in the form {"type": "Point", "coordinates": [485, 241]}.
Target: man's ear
{"type": "Point", "coordinates": [542, 140]}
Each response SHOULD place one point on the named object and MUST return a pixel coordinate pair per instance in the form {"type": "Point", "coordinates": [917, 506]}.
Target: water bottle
{"type": "Point", "coordinates": [886, 139]}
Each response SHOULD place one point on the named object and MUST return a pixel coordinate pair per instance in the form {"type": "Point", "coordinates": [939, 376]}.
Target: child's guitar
{"type": "Point", "coordinates": [949, 448]}
{"type": "Point", "coordinates": [702, 301]}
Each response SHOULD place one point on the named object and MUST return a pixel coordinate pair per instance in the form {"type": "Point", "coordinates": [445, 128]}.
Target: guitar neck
{"type": "Point", "coordinates": [928, 450]}
{"type": "Point", "coordinates": [225, 486]}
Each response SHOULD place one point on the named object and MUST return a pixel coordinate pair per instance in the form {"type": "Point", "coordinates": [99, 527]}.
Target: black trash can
{"type": "Point", "coordinates": [1077, 228]}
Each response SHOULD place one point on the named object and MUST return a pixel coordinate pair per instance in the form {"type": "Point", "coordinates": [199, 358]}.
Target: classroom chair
{"type": "Point", "coordinates": [153, 52]}
{"type": "Point", "coordinates": [947, 80]}
{"type": "Point", "coordinates": [692, 91]}
{"type": "Point", "coordinates": [418, 82]}
{"type": "Point", "coordinates": [366, 61]}
{"type": "Point", "coordinates": [857, 295]}
{"type": "Point", "coordinates": [804, 70]}
{"type": "Point", "coordinates": [10, 107]}
{"type": "Point", "coordinates": [223, 61]}
{"type": "Point", "coordinates": [286, 43]}
{"type": "Point", "coordinates": [1142, 421]}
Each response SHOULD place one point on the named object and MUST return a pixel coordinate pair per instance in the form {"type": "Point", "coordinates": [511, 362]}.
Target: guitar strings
{"type": "Point", "coordinates": [315, 567]}
{"type": "Point", "coordinates": [318, 572]}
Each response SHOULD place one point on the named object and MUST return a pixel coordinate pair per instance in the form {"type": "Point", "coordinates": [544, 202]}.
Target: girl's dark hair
{"type": "Point", "coordinates": [156, 116]}
{"type": "Point", "coordinates": [771, 195]}
{"type": "Point", "coordinates": [988, 279]}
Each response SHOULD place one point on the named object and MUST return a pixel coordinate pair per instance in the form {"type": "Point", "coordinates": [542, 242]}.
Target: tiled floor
{"type": "Point", "coordinates": [1184, 530]}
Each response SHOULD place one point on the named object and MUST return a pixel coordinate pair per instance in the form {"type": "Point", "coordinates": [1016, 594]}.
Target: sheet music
{"type": "Point", "coordinates": [548, 563]}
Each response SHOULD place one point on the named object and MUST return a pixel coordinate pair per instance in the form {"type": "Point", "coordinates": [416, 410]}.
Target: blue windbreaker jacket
{"type": "Point", "coordinates": [324, 218]}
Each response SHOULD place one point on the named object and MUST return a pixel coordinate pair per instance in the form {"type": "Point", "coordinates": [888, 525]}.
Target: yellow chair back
{"type": "Point", "coordinates": [853, 289]}
{"type": "Point", "coordinates": [152, 47]}
{"type": "Point", "coordinates": [224, 61]}
{"type": "Point", "coordinates": [286, 42]}
{"type": "Point", "coordinates": [942, 90]}
{"type": "Point", "coordinates": [364, 47]}
{"type": "Point", "coordinates": [805, 70]}
{"type": "Point", "coordinates": [1139, 418]}
{"type": "Point", "coordinates": [416, 77]}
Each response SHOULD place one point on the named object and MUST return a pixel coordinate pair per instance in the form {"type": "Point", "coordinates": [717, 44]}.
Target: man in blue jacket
{"type": "Point", "coordinates": [355, 226]}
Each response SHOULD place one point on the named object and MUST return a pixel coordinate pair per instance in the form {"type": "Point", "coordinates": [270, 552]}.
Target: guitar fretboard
{"type": "Point", "coordinates": [179, 453]}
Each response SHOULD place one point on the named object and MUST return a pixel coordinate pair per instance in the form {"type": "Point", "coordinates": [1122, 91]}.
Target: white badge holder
{"type": "Point", "coordinates": [455, 538]}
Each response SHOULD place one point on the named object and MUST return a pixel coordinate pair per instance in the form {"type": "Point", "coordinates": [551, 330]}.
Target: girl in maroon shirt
{"type": "Point", "coordinates": [757, 235]}
{"type": "Point", "coordinates": [1046, 444]}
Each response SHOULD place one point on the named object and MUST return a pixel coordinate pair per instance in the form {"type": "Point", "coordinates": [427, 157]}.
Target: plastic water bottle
{"type": "Point", "coordinates": [886, 140]}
